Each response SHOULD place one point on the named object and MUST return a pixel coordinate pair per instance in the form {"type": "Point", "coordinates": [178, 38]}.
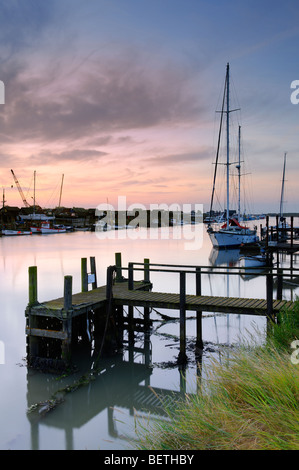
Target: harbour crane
{"type": "Point", "coordinates": [20, 190]}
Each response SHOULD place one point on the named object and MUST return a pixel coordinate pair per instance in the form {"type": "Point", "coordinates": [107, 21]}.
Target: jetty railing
{"type": "Point", "coordinates": [269, 272]}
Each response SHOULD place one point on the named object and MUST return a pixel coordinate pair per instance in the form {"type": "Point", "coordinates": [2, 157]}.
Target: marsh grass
{"type": "Point", "coordinates": [250, 403]}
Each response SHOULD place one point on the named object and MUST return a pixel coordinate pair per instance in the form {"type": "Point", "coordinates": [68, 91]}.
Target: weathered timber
{"type": "Point", "coordinates": [62, 319]}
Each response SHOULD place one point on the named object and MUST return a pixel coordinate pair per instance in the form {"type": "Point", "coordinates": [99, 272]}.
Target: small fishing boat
{"type": "Point", "coordinates": [15, 232]}
{"type": "Point", "coordinates": [45, 228]}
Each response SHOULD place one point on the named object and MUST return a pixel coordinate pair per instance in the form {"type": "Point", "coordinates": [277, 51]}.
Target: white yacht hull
{"type": "Point", "coordinates": [226, 238]}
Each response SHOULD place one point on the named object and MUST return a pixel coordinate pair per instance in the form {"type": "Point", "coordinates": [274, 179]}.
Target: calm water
{"type": "Point", "coordinates": [101, 415]}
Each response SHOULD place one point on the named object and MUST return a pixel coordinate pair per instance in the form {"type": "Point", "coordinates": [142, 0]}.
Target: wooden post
{"type": "Point", "coordinates": [182, 355]}
{"type": "Point", "coordinates": [292, 231]}
{"type": "Point", "coordinates": [67, 321]}
{"type": "Point", "coordinates": [109, 282]}
{"type": "Point", "coordinates": [118, 267]}
{"type": "Point", "coordinates": [199, 341]}
{"type": "Point", "coordinates": [269, 296]}
{"type": "Point", "coordinates": [198, 281]}
{"type": "Point", "coordinates": [131, 278]}
{"type": "Point", "coordinates": [93, 270]}
{"type": "Point", "coordinates": [68, 287]}
{"type": "Point", "coordinates": [267, 231]}
{"type": "Point", "coordinates": [84, 276]}
{"type": "Point", "coordinates": [67, 342]}
{"type": "Point", "coordinates": [146, 270]}
{"type": "Point", "coordinates": [32, 271]}
{"type": "Point", "coordinates": [279, 283]}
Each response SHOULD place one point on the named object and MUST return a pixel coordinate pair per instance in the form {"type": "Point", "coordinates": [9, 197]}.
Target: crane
{"type": "Point", "coordinates": [20, 190]}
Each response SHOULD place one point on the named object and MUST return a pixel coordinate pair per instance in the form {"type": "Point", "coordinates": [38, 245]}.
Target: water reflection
{"type": "Point", "coordinates": [123, 381]}
{"type": "Point", "coordinates": [101, 414]}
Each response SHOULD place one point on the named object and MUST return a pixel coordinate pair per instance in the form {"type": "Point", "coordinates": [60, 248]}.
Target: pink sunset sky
{"type": "Point", "coordinates": [120, 97]}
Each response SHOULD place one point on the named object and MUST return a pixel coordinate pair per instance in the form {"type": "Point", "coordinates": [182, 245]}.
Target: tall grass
{"type": "Point", "coordinates": [252, 402]}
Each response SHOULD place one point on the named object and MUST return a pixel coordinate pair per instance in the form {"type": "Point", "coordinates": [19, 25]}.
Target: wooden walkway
{"type": "Point", "coordinates": [96, 298]}
{"type": "Point", "coordinates": [67, 317]}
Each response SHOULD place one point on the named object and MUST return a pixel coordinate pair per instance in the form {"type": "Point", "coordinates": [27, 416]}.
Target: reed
{"type": "Point", "coordinates": [250, 403]}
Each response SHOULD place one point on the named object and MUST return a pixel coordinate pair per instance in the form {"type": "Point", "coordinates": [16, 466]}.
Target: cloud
{"type": "Point", "coordinates": [76, 155]}
{"type": "Point", "coordinates": [117, 95]}
{"type": "Point", "coordinates": [187, 157]}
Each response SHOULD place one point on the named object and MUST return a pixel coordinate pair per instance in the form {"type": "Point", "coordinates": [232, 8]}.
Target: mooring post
{"type": "Point", "coordinates": [279, 283]}
{"type": "Point", "coordinates": [182, 355]}
{"type": "Point", "coordinates": [84, 275]}
{"type": "Point", "coordinates": [93, 270]}
{"type": "Point", "coordinates": [198, 280]}
{"type": "Point", "coordinates": [67, 320]}
{"type": "Point", "coordinates": [269, 296]}
{"type": "Point", "coordinates": [199, 341]}
{"type": "Point", "coordinates": [68, 292]}
{"type": "Point", "coordinates": [131, 278]}
{"type": "Point", "coordinates": [146, 270]}
{"type": "Point", "coordinates": [109, 282]}
{"type": "Point", "coordinates": [292, 231]}
{"type": "Point", "coordinates": [119, 276]}
{"type": "Point", "coordinates": [32, 271]}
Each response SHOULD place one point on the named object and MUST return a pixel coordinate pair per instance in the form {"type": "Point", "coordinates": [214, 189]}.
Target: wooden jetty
{"type": "Point", "coordinates": [281, 236]}
{"type": "Point", "coordinates": [53, 326]}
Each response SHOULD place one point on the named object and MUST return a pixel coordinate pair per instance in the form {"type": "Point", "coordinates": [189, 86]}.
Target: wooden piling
{"type": "Point", "coordinates": [267, 231]}
{"type": "Point", "coordinates": [146, 270]}
{"type": "Point", "coordinates": [32, 271]}
{"type": "Point", "coordinates": [279, 284]}
{"type": "Point", "coordinates": [93, 271]}
{"type": "Point", "coordinates": [269, 289]}
{"type": "Point", "coordinates": [182, 355]}
{"type": "Point", "coordinates": [118, 263]}
{"type": "Point", "coordinates": [84, 275]}
{"type": "Point", "coordinates": [130, 276]}
{"type": "Point", "coordinates": [68, 292]}
{"type": "Point", "coordinates": [199, 341]}
{"type": "Point", "coordinates": [198, 281]}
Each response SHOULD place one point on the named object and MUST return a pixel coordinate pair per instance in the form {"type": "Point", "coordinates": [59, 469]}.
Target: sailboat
{"type": "Point", "coordinates": [231, 234]}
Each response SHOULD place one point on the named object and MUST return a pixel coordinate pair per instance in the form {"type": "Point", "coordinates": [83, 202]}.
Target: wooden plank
{"type": "Point", "coordinates": [46, 333]}
{"type": "Point", "coordinates": [83, 301]}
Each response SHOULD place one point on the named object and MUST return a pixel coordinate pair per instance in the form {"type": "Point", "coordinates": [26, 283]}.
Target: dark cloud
{"type": "Point", "coordinates": [117, 95]}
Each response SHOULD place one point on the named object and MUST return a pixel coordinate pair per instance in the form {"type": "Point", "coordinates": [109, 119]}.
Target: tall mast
{"type": "Point", "coordinates": [227, 145]}
{"type": "Point", "coordinates": [282, 187]}
{"type": "Point", "coordinates": [59, 205]}
{"type": "Point", "coordinates": [239, 176]}
{"type": "Point", "coordinates": [34, 192]}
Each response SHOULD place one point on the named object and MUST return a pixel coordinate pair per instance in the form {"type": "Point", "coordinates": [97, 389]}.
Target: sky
{"type": "Point", "coordinates": [121, 97]}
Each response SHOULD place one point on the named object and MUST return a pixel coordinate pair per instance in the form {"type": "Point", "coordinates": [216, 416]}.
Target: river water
{"type": "Point", "coordinates": [102, 414]}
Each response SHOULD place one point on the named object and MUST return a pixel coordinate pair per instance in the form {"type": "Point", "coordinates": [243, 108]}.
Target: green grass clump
{"type": "Point", "coordinates": [250, 403]}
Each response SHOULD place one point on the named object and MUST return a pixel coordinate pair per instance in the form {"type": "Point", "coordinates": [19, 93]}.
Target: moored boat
{"type": "Point", "coordinates": [15, 232]}
{"type": "Point", "coordinates": [45, 228]}
{"type": "Point", "coordinates": [231, 234]}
